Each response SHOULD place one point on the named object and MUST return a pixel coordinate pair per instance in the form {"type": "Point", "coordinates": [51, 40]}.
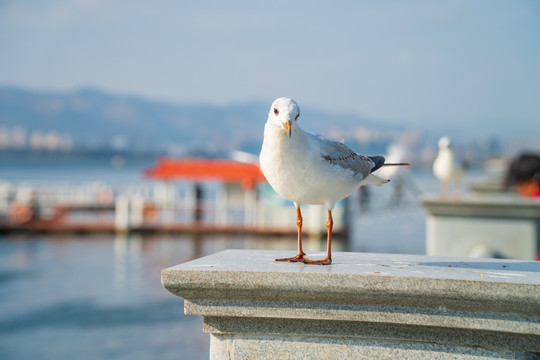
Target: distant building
{"type": "Point", "coordinates": [51, 141]}
{"type": "Point", "coordinates": [14, 138]}
{"type": "Point", "coordinates": [4, 137]}
{"type": "Point", "coordinates": [18, 137]}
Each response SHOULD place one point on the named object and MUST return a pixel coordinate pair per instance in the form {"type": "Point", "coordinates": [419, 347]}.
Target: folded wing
{"type": "Point", "coordinates": [338, 154]}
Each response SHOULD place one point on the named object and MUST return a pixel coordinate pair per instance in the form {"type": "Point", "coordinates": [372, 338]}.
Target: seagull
{"type": "Point", "coordinates": [445, 166]}
{"type": "Point", "coordinates": [396, 153]}
{"type": "Point", "coordinates": [309, 169]}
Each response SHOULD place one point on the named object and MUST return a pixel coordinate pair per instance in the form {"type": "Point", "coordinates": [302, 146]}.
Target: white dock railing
{"type": "Point", "coordinates": [164, 203]}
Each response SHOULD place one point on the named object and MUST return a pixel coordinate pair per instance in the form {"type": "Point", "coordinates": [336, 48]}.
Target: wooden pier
{"type": "Point", "coordinates": [175, 202]}
{"type": "Point", "coordinates": [39, 227]}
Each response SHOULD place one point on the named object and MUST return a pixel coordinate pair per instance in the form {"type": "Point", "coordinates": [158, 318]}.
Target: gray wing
{"type": "Point", "coordinates": [338, 154]}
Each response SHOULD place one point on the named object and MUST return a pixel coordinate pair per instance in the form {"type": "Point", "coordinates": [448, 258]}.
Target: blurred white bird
{"type": "Point", "coordinates": [308, 169]}
{"type": "Point", "coordinates": [396, 154]}
{"type": "Point", "coordinates": [446, 168]}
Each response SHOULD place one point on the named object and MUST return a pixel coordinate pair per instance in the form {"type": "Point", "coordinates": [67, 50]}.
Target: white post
{"type": "Point", "coordinates": [121, 213]}
{"type": "Point", "coordinates": [137, 204]}
{"type": "Point", "coordinates": [4, 198]}
{"type": "Point", "coordinates": [165, 196]}
{"type": "Point", "coordinates": [250, 201]}
{"type": "Point", "coordinates": [190, 202]}
{"type": "Point", "coordinates": [221, 205]}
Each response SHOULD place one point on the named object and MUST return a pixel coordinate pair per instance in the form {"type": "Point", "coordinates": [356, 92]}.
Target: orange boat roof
{"type": "Point", "coordinates": [206, 169]}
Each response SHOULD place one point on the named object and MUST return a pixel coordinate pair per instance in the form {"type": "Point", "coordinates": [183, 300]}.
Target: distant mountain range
{"type": "Point", "coordinates": [95, 119]}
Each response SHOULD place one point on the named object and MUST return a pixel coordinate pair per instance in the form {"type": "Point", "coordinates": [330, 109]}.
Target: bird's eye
{"type": "Point", "coordinates": [296, 117]}
{"type": "Point", "coordinates": [276, 111]}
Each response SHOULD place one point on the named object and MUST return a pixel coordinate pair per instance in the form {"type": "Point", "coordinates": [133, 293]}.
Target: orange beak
{"type": "Point", "coordinates": [287, 127]}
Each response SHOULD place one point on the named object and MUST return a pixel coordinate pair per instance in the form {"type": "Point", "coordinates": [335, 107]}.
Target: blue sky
{"type": "Point", "coordinates": [452, 63]}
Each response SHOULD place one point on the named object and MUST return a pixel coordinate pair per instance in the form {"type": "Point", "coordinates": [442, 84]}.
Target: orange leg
{"type": "Point", "coordinates": [445, 188]}
{"type": "Point", "coordinates": [301, 254]}
{"type": "Point", "coordinates": [328, 259]}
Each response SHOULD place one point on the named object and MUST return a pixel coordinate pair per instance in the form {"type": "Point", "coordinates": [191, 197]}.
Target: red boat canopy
{"type": "Point", "coordinates": [204, 169]}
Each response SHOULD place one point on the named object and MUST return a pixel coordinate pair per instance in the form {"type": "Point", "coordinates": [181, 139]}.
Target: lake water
{"type": "Point", "coordinates": [100, 297]}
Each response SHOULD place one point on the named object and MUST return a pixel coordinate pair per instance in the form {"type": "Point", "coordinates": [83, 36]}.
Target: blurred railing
{"type": "Point", "coordinates": [154, 206]}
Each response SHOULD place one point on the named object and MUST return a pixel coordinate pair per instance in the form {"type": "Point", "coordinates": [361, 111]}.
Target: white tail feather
{"type": "Point", "coordinates": [374, 180]}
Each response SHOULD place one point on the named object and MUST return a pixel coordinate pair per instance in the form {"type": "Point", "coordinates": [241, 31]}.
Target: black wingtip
{"type": "Point", "coordinates": [378, 161]}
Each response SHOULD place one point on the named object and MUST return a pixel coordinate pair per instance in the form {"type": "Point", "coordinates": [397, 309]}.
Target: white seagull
{"type": "Point", "coordinates": [308, 169]}
{"type": "Point", "coordinates": [446, 168]}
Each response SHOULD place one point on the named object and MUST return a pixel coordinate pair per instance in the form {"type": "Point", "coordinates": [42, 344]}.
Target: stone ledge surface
{"type": "Point", "coordinates": [363, 264]}
{"type": "Point", "coordinates": [459, 283]}
{"type": "Point", "coordinates": [422, 301]}
{"type": "Point", "coordinates": [504, 207]}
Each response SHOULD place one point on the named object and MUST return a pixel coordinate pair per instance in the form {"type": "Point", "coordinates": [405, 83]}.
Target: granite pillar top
{"type": "Point", "coordinates": [362, 278]}
{"type": "Point", "coordinates": [507, 206]}
{"type": "Point", "coordinates": [368, 265]}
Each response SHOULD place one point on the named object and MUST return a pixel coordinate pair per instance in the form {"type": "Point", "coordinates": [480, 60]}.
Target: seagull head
{"type": "Point", "coordinates": [445, 143]}
{"type": "Point", "coordinates": [283, 114]}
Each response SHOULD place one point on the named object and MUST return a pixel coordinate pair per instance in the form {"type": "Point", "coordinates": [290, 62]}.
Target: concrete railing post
{"type": "Point", "coordinates": [363, 306]}
{"type": "Point", "coordinates": [502, 226]}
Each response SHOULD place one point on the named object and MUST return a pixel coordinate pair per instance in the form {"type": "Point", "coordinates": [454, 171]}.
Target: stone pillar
{"type": "Point", "coordinates": [502, 226]}
{"type": "Point", "coordinates": [363, 306]}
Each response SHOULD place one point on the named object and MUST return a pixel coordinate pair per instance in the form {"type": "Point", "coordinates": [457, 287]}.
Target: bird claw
{"type": "Point", "coordinates": [304, 260]}
{"type": "Point", "coordinates": [298, 258]}
{"type": "Point", "coordinates": [317, 262]}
